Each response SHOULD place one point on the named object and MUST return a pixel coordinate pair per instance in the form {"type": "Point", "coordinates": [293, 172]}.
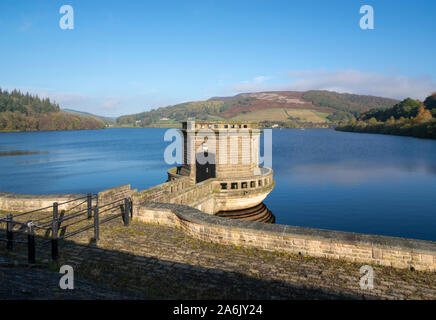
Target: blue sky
{"type": "Point", "coordinates": [130, 56]}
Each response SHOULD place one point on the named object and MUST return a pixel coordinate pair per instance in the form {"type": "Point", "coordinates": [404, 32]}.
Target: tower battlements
{"type": "Point", "coordinates": [219, 125]}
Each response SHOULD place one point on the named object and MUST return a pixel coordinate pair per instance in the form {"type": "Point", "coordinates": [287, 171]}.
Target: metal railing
{"type": "Point", "coordinates": [53, 224]}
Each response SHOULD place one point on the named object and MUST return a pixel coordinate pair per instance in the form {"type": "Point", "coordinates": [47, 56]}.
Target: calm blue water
{"type": "Point", "coordinates": [325, 179]}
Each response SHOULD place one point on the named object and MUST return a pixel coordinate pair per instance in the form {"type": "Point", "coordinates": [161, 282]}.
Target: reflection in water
{"type": "Point", "coordinates": [259, 213]}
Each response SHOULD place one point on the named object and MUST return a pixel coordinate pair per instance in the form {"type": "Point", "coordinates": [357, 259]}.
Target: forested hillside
{"type": "Point", "coordinates": [107, 120]}
{"type": "Point", "coordinates": [286, 108]}
{"type": "Point", "coordinates": [346, 105]}
{"type": "Point", "coordinates": [408, 118]}
{"type": "Point", "coordinates": [25, 112]}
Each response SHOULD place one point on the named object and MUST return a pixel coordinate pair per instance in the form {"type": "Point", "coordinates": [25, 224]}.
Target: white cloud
{"type": "Point", "coordinates": [111, 103]}
{"type": "Point", "coordinates": [350, 81]}
{"type": "Point", "coordinates": [261, 79]}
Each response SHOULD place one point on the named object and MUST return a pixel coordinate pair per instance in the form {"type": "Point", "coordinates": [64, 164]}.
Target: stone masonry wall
{"type": "Point", "coordinates": [234, 146]}
{"type": "Point", "coordinates": [110, 195]}
{"type": "Point", "coordinates": [15, 202]}
{"type": "Point", "coordinates": [362, 248]}
{"type": "Point", "coordinates": [208, 196]}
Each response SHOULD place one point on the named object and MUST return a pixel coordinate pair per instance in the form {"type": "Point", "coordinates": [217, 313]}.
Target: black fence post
{"type": "Point", "coordinates": [30, 243]}
{"type": "Point", "coordinates": [126, 212]}
{"type": "Point", "coordinates": [9, 232]}
{"type": "Point", "coordinates": [96, 224]}
{"type": "Point", "coordinates": [54, 232]}
{"type": "Point", "coordinates": [131, 208]}
{"type": "Point", "coordinates": [89, 201]}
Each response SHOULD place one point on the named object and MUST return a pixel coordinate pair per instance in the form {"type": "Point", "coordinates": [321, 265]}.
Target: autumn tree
{"type": "Point", "coordinates": [423, 115]}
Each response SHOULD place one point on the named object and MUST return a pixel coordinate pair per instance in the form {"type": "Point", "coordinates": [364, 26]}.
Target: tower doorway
{"type": "Point", "coordinates": [207, 170]}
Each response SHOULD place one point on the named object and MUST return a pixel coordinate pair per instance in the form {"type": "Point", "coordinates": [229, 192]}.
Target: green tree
{"type": "Point", "coordinates": [430, 104]}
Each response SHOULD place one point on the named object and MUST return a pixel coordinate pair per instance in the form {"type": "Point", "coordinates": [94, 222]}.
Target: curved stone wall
{"type": "Point", "coordinates": [211, 195]}
{"type": "Point", "coordinates": [361, 248]}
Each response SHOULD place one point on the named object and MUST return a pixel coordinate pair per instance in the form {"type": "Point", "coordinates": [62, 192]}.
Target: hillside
{"type": "Point", "coordinates": [286, 108]}
{"type": "Point", "coordinates": [107, 120]}
{"type": "Point", "coordinates": [25, 112]}
{"type": "Point", "coordinates": [407, 118]}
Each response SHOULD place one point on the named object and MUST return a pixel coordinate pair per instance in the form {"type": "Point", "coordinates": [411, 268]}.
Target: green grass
{"type": "Point", "coordinates": [321, 114]}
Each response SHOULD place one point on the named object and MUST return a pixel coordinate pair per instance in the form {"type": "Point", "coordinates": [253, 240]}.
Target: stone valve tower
{"type": "Point", "coordinates": [225, 156]}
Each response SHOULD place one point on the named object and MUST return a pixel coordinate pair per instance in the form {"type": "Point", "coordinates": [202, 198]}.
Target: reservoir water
{"type": "Point", "coordinates": [365, 183]}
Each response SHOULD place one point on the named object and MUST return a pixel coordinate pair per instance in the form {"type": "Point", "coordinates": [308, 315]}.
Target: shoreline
{"type": "Point", "coordinates": [162, 127]}
{"type": "Point", "coordinates": [385, 134]}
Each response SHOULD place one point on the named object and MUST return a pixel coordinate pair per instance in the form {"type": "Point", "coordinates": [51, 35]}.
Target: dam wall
{"type": "Point", "coordinates": [349, 246]}
{"type": "Point", "coordinates": [15, 202]}
{"type": "Point", "coordinates": [195, 220]}
{"type": "Point", "coordinates": [116, 193]}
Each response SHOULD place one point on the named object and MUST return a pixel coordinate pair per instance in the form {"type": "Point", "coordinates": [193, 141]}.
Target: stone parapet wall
{"type": "Point", "coordinates": [192, 194]}
{"type": "Point", "coordinates": [117, 193]}
{"type": "Point", "coordinates": [15, 202]}
{"type": "Point", "coordinates": [179, 191]}
{"type": "Point", "coordinates": [361, 248]}
{"type": "Point", "coordinates": [174, 173]}
{"type": "Point", "coordinates": [164, 191]}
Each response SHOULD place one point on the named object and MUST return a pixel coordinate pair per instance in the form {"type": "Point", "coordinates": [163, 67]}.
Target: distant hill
{"type": "Point", "coordinates": [106, 120]}
{"type": "Point", "coordinates": [286, 108]}
{"type": "Point", "coordinates": [25, 112]}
